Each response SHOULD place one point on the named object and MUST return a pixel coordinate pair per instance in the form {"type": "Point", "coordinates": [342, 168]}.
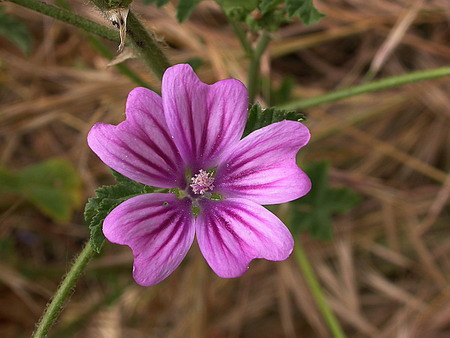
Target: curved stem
{"type": "Point", "coordinates": [68, 17]}
{"type": "Point", "coordinates": [143, 42]}
{"type": "Point", "coordinates": [241, 37]}
{"type": "Point", "coordinates": [316, 290]}
{"type": "Point", "coordinates": [253, 71]}
{"type": "Point", "coordinates": [374, 86]}
{"type": "Point", "coordinates": [105, 52]}
{"type": "Point", "coordinates": [63, 293]}
{"type": "Point", "coordinates": [147, 46]}
{"type": "Point", "coordinates": [140, 38]}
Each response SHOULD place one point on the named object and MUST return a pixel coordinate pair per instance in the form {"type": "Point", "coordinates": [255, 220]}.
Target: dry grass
{"type": "Point", "coordinates": [386, 274]}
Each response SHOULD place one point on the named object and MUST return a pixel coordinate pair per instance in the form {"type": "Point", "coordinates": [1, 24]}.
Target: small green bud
{"type": "Point", "coordinates": [195, 210]}
{"type": "Point", "coordinates": [180, 193]}
{"type": "Point", "coordinates": [216, 197]}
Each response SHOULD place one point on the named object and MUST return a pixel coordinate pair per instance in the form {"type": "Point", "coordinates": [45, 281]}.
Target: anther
{"type": "Point", "coordinates": [202, 182]}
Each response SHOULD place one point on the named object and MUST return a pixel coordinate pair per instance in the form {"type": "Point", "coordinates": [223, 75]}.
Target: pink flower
{"type": "Point", "coordinates": [189, 141]}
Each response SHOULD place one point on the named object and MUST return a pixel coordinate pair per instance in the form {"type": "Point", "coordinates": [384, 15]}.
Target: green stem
{"type": "Point", "coordinates": [242, 38]}
{"type": "Point", "coordinates": [68, 17]}
{"type": "Point", "coordinates": [63, 293]}
{"type": "Point", "coordinates": [389, 82]}
{"type": "Point", "coordinates": [140, 38]}
{"type": "Point", "coordinates": [147, 46]}
{"type": "Point", "coordinates": [316, 290]}
{"type": "Point", "coordinates": [107, 300]}
{"type": "Point", "coordinates": [142, 41]}
{"type": "Point", "coordinates": [253, 71]}
{"type": "Point", "coordinates": [105, 52]}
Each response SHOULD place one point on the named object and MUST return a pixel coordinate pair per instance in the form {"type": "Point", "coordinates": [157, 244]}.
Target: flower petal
{"type": "Point", "coordinates": [204, 120]}
{"type": "Point", "coordinates": [232, 232]}
{"type": "Point", "coordinates": [140, 147]}
{"type": "Point", "coordinates": [262, 167]}
{"type": "Point", "coordinates": [159, 228]}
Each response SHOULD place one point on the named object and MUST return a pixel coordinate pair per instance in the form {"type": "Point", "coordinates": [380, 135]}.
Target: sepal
{"type": "Point", "coordinates": [259, 117]}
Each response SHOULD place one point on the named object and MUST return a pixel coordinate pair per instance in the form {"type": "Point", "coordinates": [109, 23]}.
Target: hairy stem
{"type": "Point", "coordinates": [63, 293]}
{"type": "Point", "coordinates": [144, 43]}
{"type": "Point", "coordinates": [241, 37]}
{"type": "Point", "coordinates": [316, 291]}
{"type": "Point", "coordinates": [100, 47]}
{"type": "Point", "coordinates": [147, 46]}
{"type": "Point", "coordinates": [374, 86]}
{"type": "Point", "coordinates": [67, 16]}
{"type": "Point", "coordinates": [140, 38]}
{"type": "Point", "coordinates": [253, 71]}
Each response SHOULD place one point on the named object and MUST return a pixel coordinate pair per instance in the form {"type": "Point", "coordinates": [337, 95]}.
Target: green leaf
{"type": "Point", "coordinates": [258, 117]}
{"type": "Point", "coordinates": [305, 10]}
{"type": "Point", "coordinates": [266, 6]}
{"type": "Point", "coordinates": [91, 209]}
{"type": "Point", "coordinates": [15, 31]}
{"type": "Point", "coordinates": [313, 212]}
{"type": "Point", "coordinates": [283, 93]}
{"type": "Point", "coordinates": [240, 5]}
{"type": "Point", "coordinates": [106, 199]}
{"type": "Point", "coordinates": [53, 187]}
{"type": "Point", "coordinates": [185, 8]}
{"type": "Point", "coordinates": [125, 181]}
{"type": "Point", "coordinates": [9, 182]}
{"type": "Point", "coordinates": [342, 200]}
{"type": "Point", "coordinates": [97, 208]}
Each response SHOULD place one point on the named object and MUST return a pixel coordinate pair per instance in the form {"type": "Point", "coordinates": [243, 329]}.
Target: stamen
{"type": "Point", "coordinates": [202, 182]}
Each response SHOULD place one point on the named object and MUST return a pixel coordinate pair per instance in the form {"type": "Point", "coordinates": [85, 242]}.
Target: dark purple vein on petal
{"type": "Point", "coordinates": [168, 138]}
{"type": "Point", "coordinates": [143, 160]}
{"type": "Point", "coordinates": [205, 129]}
{"type": "Point", "coordinates": [135, 168]}
{"type": "Point", "coordinates": [157, 150]}
{"type": "Point", "coordinates": [178, 228]}
{"type": "Point", "coordinates": [219, 138]}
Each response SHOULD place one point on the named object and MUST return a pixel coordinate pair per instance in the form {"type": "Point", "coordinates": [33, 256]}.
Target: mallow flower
{"type": "Point", "coordinates": [189, 141]}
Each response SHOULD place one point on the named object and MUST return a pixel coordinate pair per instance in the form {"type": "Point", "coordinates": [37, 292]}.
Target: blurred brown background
{"type": "Point", "coordinates": [386, 273]}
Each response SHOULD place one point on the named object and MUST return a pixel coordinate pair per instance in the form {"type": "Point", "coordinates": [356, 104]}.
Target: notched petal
{"type": "Point", "coordinates": [205, 120]}
{"type": "Point", "coordinates": [233, 232]}
{"type": "Point", "coordinates": [262, 167]}
{"type": "Point", "coordinates": [140, 147]}
{"type": "Point", "coordinates": [159, 228]}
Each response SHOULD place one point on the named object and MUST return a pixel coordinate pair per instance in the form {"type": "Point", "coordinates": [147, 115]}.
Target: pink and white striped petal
{"type": "Point", "coordinates": [204, 120]}
{"type": "Point", "coordinates": [159, 228]}
{"type": "Point", "coordinates": [262, 167]}
{"type": "Point", "coordinates": [233, 232]}
{"type": "Point", "coordinates": [140, 147]}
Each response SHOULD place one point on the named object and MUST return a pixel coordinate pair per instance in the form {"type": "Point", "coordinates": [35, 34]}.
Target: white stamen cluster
{"type": "Point", "coordinates": [202, 182]}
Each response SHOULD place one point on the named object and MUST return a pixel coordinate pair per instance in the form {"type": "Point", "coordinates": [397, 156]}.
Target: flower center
{"type": "Point", "coordinates": [202, 182]}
